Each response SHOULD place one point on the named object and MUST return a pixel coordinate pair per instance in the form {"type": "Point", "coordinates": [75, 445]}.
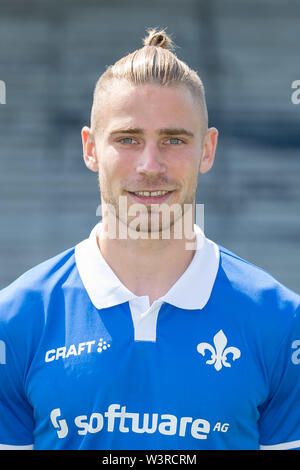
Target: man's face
{"type": "Point", "coordinates": [148, 145]}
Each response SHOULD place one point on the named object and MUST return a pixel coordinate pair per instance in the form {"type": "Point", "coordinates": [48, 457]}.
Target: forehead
{"type": "Point", "coordinates": [150, 107]}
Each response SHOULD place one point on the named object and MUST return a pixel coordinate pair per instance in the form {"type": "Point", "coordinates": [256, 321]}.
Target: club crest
{"type": "Point", "coordinates": [219, 351]}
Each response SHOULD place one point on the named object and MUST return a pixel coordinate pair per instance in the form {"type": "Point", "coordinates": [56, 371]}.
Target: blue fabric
{"type": "Point", "coordinates": [224, 377]}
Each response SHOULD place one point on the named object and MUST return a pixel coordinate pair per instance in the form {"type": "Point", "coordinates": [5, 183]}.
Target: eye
{"type": "Point", "coordinates": [174, 141]}
{"type": "Point", "coordinates": [127, 140]}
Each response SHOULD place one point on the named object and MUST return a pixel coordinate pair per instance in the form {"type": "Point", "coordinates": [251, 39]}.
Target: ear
{"type": "Point", "coordinates": [209, 150]}
{"type": "Point", "coordinates": [89, 149]}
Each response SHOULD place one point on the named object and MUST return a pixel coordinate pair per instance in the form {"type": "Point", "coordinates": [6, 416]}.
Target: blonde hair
{"type": "Point", "coordinates": [154, 63]}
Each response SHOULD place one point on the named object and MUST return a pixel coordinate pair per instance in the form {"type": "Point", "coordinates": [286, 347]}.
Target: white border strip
{"type": "Point", "coordinates": [10, 447]}
{"type": "Point", "coordinates": [282, 446]}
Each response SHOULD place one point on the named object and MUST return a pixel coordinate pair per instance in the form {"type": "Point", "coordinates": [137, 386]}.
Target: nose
{"type": "Point", "coordinates": [150, 161]}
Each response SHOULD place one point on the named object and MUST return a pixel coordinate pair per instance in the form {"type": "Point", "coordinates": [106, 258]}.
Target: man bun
{"type": "Point", "coordinates": [158, 38]}
{"type": "Point", "coordinates": [155, 63]}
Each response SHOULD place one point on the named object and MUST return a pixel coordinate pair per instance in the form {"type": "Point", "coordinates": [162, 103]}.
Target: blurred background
{"type": "Point", "coordinates": [247, 54]}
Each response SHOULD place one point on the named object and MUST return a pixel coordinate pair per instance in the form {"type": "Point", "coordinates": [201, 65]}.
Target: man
{"type": "Point", "coordinates": [147, 335]}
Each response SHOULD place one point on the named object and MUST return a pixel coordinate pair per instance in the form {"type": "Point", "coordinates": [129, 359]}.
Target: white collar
{"type": "Point", "coordinates": [191, 291]}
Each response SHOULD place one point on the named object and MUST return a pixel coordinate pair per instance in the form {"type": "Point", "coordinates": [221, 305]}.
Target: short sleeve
{"type": "Point", "coordinates": [279, 422]}
{"type": "Point", "coordinates": [16, 416]}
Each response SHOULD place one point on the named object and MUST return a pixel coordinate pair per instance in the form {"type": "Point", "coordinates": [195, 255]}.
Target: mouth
{"type": "Point", "coordinates": [150, 197]}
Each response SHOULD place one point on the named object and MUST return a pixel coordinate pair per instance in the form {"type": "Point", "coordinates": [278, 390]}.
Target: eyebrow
{"type": "Point", "coordinates": [174, 131]}
{"type": "Point", "coordinates": [165, 131]}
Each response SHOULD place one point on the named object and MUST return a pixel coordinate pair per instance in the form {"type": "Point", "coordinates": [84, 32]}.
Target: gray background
{"type": "Point", "coordinates": [246, 52]}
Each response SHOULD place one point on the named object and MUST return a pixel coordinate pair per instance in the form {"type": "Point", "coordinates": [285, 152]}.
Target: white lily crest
{"type": "Point", "coordinates": [219, 352]}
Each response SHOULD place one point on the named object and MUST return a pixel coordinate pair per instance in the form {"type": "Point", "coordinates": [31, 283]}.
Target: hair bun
{"type": "Point", "coordinates": [158, 38]}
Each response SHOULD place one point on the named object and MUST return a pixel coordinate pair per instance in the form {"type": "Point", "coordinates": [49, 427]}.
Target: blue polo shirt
{"type": "Point", "coordinates": [87, 364]}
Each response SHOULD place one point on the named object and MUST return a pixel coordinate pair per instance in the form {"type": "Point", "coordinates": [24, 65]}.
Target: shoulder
{"type": "Point", "coordinates": [32, 289]}
{"type": "Point", "coordinates": [252, 280]}
{"type": "Point", "coordinates": [24, 306]}
{"type": "Point", "coordinates": [258, 295]}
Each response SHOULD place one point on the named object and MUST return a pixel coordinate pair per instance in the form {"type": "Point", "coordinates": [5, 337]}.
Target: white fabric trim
{"type": "Point", "coordinates": [102, 285]}
{"type": "Point", "coordinates": [144, 318]}
{"type": "Point", "coordinates": [191, 291]}
{"type": "Point", "coordinates": [282, 446]}
{"type": "Point", "coordinates": [10, 447]}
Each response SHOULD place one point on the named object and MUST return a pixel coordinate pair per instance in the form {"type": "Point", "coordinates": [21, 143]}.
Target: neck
{"type": "Point", "coordinates": [148, 266]}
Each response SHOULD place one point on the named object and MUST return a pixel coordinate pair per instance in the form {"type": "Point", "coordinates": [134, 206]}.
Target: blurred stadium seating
{"type": "Point", "coordinates": [247, 53]}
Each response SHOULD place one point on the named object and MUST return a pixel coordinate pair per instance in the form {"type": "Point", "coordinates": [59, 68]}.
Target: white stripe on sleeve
{"type": "Point", "coordinates": [10, 447]}
{"type": "Point", "coordinates": [282, 446]}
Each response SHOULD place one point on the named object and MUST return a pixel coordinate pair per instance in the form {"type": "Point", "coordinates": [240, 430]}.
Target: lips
{"type": "Point", "coordinates": [151, 193]}
{"type": "Point", "coordinates": [150, 197]}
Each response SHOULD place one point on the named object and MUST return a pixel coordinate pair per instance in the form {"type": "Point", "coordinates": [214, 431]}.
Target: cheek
{"type": "Point", "coordinates": [113, 166]}
{"type": "Point", "coordinates": [185, 164]}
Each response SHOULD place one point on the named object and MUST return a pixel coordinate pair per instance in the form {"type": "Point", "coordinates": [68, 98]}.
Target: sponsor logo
{"type": "Point", "coordinates": [117, 418]}
{"type": "Point", "coordinates": [219, 351]}
{"type": "Point", "coordinates": [59, 424]}
{"type": "Point", "coordinates": [85, 347]}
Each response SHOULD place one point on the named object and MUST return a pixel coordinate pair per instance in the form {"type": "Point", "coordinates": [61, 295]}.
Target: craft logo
{"type": "Point", "coordinates": [2, 92]}
{"type": "Point", "coordinates": [85, 347]}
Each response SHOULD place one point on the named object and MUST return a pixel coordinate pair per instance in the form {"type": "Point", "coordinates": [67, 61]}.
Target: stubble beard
{"type": "Point", "coordinates": [157, 220]}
